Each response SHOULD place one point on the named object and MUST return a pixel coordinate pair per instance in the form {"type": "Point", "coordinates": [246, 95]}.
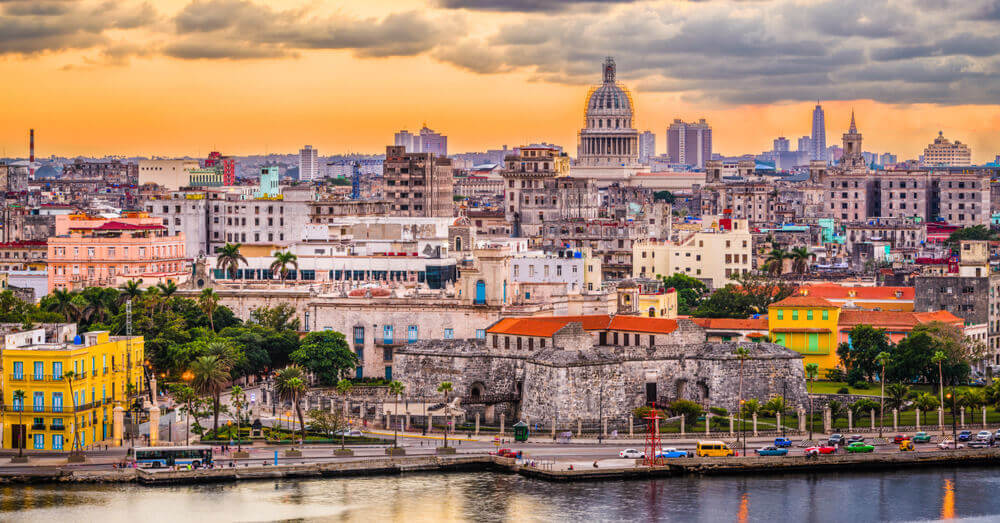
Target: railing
{"type": "Point", "coordinates": [384, 342]}
{"type": "Point", "coordinates": [37, 426]}
{"type": "Point", "coordinates": [29, 409]}
{"type": "Point", "coordinates": [46, 377]}
{"type": "Point", "coordinates": [17, 377]}
{"type": "Point", "coordinates": [490, 398]}
{"type": "Point", "coordinates": [57, 427]}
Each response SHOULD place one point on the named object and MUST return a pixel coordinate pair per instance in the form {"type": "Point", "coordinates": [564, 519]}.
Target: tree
{"type": "Point", "coordinates": [882, 359]}
{"type": "Point", "coordinates": [166, 291]}
{"type": "Point", "coordinates": [836, 411]}
{"type": "Point", "coordinates": [396, 389]}
{"type": "Point", "coordinates": [445, 388]}
{"type": "Point", "coordinates": [750, 407]}
{"type": "Point", "coordinates": [130, 291]}
{"type": "Point", "coordinates": [326, 354]}
{"type": "Point", "coordinates": [239, 400]}
{"type": "Point", "coordinates": [940, 357]}
{"type": "Point", "coordinates": [927, 402]}
{"type": "Point", "coordinates": [62, 303]}
{"type": "Point", "coordinates": [896, 394]}
{"type": "Point", "coordinates": [866, 344]}
{"type": "Point", "coordinates": [689, 410]}
{"type": "Point", "coordinates": [973, 399]}
{"type": "Point", "coordinates": [862, 407]}
{"type": "Point", "coordinates": [812, 370]}
{"type": "Point", "coordinates": [727, 302]}
{"type": "Point", "coordinates": [229, 259]}
{"type": "Point", "coordinates": [344, 389]}
{"type": "Point", "coordinates": [283, 260]}
{"type": "Point", "coordinates": [762, 289]}
{"type": "Point", "coordinates": [290, 384]}
{"type": "Point", "coordinates": [800, 257]}
{"type": "Point", "coordinates": [211, 374]}
{"type": "Point", "coordinates": [208, 300]}
{"type": "Point", "coordinates": [186, 396]}
{"type": "Point", "coordinates": [19, 401]}
{"type": "Point", "coordinates": [279, 318]}
{"type": "Point", "coordinates": [775, 262]}
{"type": "Point", "coordinates": [663, 196]}
{"type": "Point", "coordinates": [977, 232]}
{"type": "Point", "coordinates": [690, 291]}
{"type": "Point", "coordinates": [325, 422]}
{"type": "Point", "coordinates": [774, 406]}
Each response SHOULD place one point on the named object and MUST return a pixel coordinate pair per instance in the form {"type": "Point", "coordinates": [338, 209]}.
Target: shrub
{"type": "Point", "coordinates": [718, 411]}
{"type": "Point", "coordinates": [689, 409]}
{"type": "Point", "coordinates": [854, 376]}
{"type": "Point", "coordinates": [863, 385]}
{"type": "Point", "coordinates": [843, 390]}
{"type": "Point", "coordinates": [836, 374]}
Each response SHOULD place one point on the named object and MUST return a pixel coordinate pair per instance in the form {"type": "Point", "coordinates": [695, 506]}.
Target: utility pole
{"type": "Point", "coordinates": [600, 410]}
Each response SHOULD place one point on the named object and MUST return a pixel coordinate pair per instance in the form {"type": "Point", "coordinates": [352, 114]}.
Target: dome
{"type": "Point", "coordinates": [609, 99]}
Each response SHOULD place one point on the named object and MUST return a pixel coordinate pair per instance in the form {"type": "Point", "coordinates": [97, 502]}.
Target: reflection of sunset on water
{"type": "Point", "coordinates": [741, 516]}
{"type": "Point", "coordinates": [948, 502]}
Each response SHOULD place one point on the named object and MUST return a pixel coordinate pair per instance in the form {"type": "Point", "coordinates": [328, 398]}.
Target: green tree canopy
{"type": "Point", "coordinates": [690, 291]}
{"type": "Point", "coordinates": [326, 355]}
{"type": "Point", "coordinates": [861, 353]}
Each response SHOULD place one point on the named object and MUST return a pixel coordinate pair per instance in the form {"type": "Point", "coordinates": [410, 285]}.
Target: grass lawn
{"type": "Point", "coordinates": [831, 387]}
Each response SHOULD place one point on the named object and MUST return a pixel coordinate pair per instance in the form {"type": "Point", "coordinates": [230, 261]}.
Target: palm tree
{"type": "Point", "coordinates": [897, 393]}
{"type": "Point", "coordinates": [812, 371]}
{"type": "Point", "coordinates": [800, 259]}
{"type": "Point", "coordinates": [62, 303]}
{"type": "Point", "coordinates": [882, 358]}
{"type": "Point", "coordinates": [395, 388]}
{"type": "Point", "coordinates": [130, 291]}
{"type": "Point", "coordinates": [19, 401]}
{"type": "Point", "coordinates": [282, 260]}
{"type": "Point", "coordinates": [168, 289]}
{"type": "Point", "coordinates": [209, 301]}
{"type": "Point", "coordinates": [775, 261]}
{"type": "Point", "coordinates": [741, 354]}
{"type": "Point", "coordinates": [290, 384]}
{"type": "Point", "coordinates": [70, 376]}
{"type": "Point", "coordinates": [229, 259]}
{"type": "Point", "coordinates": [445, 387]}
{"type": "Point", "coordinates": [344, 388]}
{"type": "Point", "coordinates": [211, 373]}
{"type": "Point", "coordinates": [239, 400]}
{"type": "Point", "coordinates": [939, 357]}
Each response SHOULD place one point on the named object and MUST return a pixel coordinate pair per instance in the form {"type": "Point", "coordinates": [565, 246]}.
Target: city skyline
{"type": "Point", "coordinates": [141, 79]}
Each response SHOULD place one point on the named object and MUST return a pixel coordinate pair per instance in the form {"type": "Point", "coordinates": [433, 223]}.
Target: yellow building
{"type": "Point", "coordinates": [806, 324]}
{"type": "Point", "coordinates": [54, 408]}
{"type": "Point", "coordinates": [659, 305]}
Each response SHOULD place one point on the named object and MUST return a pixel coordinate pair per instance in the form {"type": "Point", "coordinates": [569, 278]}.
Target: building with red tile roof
{"type": "Point", "coordinates": [866, 298]}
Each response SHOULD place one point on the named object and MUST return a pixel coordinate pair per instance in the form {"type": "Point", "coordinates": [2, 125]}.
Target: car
{"type": "Point", "coordinates": [979, 444]}
{"type": "Point", "coordinates": [671, 453]}
{"type": "Point", "coordinates": [632, 454]}
{"type": "Point", "coordinates": [950, 444]}
{"type": "Point", "coordinates": [984, 435]}
{"type": "Point", "coordinates": [351, 433]}
{"type": "Point", "coordinates": [820, 449]}
{"type": "Point", "coordinates": [771, 451]}
{"type": "Point", "coordinates": [782, 442]}
{"type": "Point", "coordinates": [996, 436]}
{"type": "Point", "coordinates": [965, 435]}
{"type": "Point", "coordinates": [921, 437]}
{"type": "Point", "coordinates": [855, 438]}
{"type": "Point", "coordinates": [899, 438]}
{"type": "Point", "coordinates": [859, 446]}
{"type": "Point", "coordinates": [835, 439]}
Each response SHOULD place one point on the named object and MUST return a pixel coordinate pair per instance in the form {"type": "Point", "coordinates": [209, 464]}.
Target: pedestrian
{"type": "Point", "coordinates": [595, 464]}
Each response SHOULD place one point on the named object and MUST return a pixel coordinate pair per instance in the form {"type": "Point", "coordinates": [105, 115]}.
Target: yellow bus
{"type": "Point", "coordinates": [713, 449]}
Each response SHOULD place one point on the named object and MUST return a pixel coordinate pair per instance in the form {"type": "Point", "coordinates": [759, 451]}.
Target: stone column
{"type": "Point", "coordinates": [152, 388]}
{"type": "Point", "coordinates": [895, 420]}
{"type": "Point", "coordinates": [387, 421]}
{"type": "Point", "coordinates": [408, 419]}
{"type": "Point", "coordinates": [656, 426]}
{"type": "Point", "coordinates": [708, 424]}
{"type": "Point", "coordinates": [873, 419]}
{"type": "Point", "coordinates": [631, 426]}
{"type": "Point", "coordinates": [802, 419]}
{"type": "Point", "coordinates": [850, 420]}
{"type": "Point", "coordinates": [682, 425]}
{"type": "Point", "coordinates": [154, 425]}
{"type": "Point", "coordinates": [827, 421]}
{"type": "Point", "coordinates": [452, 426]}
{"type": "Point", "coordinates": [916, 413]}
{"type": "Point", "coordinates": [501, 423]}
{"type": "Point", "coordinates": [579, 427]}
{"type": "Point", "coordinates": [961, 414]}
{"type": "Point", "coordinates": [755, 424]}
{"type": "Point", "coordinates": [778, 421]}
{"type": "Point", "coordinates": [477, 422]}
{"type": "Point", "coordinates": [119, 425]}
{"type": "Point", "coordinates": [732, 423]}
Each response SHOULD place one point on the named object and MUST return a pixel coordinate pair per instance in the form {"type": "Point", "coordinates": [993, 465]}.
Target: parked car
{"type": "Point", "coordinates": [984, 435]}
{"type": "Point", "coordinates": [905, 446]}
{"type": "Point", "coordinates": [632, 453]}
{"type": "Point", "coordinates": [921, 437]}
{"type": "Point", "coordinates": [859, 446]}
{"type": "Point", "coordinates": [820, 449]}
{"type": "Point", "coordinates": [351, 433]}
{"type": "Point", "coordinates": [996, 436]}
{"type": "Point", "coordinates": [835, 439]}
{"type": "Point", "coordinates": [978, 444]}
{"type": "Point", "coordinates": [949, 444]}
{"type": "Point", "coordinates": [854, 438]}
{"type": "Point", "coordinates": [965, 435]}
{"type": "Point", "coordinates": [782, 442]}
{"type": "Point", "coordinates": [899, 438]}
{"type": "Point", "coordinates": [771, 451]}
{"type": "Point", "coordinates": [671, 453]}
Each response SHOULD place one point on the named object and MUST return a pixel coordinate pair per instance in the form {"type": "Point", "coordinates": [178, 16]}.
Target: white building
{"type": "Point", "coordinates": [169, 174]}
{"type": "Point", "coordinates": [945, 153]}
{"type": "Point", "coordinates": [308, 163]}
{"type": "Point", "coordinates": [647, 146]}
{"type": "Point", "coordinates": [714, 255]}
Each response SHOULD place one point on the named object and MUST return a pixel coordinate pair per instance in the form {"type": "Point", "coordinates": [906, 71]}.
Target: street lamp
{"type": "Point", "coordinates": [954, 427]}
{"type": "Point", "coordinates": [743, 427]}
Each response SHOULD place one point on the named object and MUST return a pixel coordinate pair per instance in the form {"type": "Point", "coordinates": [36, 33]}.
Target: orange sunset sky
{"type": "Point", "coordinates": [183, 77]}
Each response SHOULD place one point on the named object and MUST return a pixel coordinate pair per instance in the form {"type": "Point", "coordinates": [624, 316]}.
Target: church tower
{"type": "Point", "coordinates": [853, 158]}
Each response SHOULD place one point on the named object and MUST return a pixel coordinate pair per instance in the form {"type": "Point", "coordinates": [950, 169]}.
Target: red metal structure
{"type": "Point", "coordinates": [652, 438]}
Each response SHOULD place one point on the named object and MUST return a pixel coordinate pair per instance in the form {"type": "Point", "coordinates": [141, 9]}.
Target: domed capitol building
{"type": "Point", "coordinates": [608, 148]}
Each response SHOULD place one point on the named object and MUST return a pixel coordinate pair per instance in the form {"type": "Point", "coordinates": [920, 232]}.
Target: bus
{"type": "Point", "coordinates": [161, 457]}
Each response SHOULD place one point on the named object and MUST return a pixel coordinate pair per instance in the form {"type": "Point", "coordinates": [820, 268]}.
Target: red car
{"type": "Point", "coordinates": [821, 449]}
{"type": "Point", "coordinates": [899, 438]}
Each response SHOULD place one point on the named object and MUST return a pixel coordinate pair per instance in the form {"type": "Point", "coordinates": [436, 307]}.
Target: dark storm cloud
{"type": "Point", "coordinates": [253, 30]}
{"type": "Point", "coordinates": [39, 26]}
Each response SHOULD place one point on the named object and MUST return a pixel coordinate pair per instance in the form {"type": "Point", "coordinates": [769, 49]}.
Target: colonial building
{"type": "Point", "coordinates": [418, 184]}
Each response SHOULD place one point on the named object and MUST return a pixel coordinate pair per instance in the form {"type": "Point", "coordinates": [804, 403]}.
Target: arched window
{"type": "Point", "coordinates": [458, 243]}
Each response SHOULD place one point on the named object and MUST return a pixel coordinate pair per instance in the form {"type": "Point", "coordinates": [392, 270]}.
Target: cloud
{"type": "Point", "coordinates": [36, 26]}
{"type": "Point", "coordinates": [252, 30]}
{"type": "Point", "coordinates": [528, 6]}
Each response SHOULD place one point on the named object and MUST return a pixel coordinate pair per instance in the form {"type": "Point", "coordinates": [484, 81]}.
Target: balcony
{"type": "Point", "coordinates": [17, 377]}
{"type": "Point", "coordinates": [37, 426]}
{"type": "Point", "coordinates": [46, 377]}
{"type": "Point", "coordinates": [57, 427]}
{"type": "Point", "coordinates": [389, 342]}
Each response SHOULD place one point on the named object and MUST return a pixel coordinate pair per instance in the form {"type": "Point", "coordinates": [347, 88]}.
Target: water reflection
{"type": "Point", "coordinates": [891, 496]}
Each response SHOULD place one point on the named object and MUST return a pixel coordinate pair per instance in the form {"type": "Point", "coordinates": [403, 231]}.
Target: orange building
{"type": "Point", "coordinates": [897, 324]}
{"type": "Point", "coordinates": [90, 251]}
{"type": "Point", "coordinates": [867, 298]}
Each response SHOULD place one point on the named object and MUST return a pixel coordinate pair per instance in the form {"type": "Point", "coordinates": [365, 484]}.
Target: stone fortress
{"type": "Point", "coordinates": [583, 367]}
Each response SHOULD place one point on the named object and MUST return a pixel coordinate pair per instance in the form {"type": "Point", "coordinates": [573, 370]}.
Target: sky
{"type": "Point", "coordinates": [185, 77]}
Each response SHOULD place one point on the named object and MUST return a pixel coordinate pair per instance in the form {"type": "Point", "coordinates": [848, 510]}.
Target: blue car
{"type": "Point", "coordinates": [782, 442]}
{"type": "Point", "coordinates": [671, 453]}
{"type": "Point", "coordinates": [965, 435]}
{"type": "Point", "coordinates": [771, 451]}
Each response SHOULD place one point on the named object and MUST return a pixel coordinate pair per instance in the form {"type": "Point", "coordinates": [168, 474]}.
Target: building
{"type": "Point", "coordinates": [817, 142]}
{"type": "Point", "coordinates": [224, 163]}
{"type": "Point", "coordinates": [714, 255]}
{"type": "Point", "coordinates": [805, 145]}
{"type": "Point", "coordinates": [781, 145]}
{"type": "Point", "coordinates": [308, 164]}
{"type": "Point", "coordinates": [689, 143]}
{"type": "Point", "coordinates": [169, 174]}
{"type": "Point", "coordinates": [207, 177]}
{"type": "Point", "coordinates": [112, 171]}
{"type": "Point", "coordinates": [608, 139]}
{"type": "Point", "coordinates": [426, 141]}
{"type": "Point", "coordinates": [647, 146]}
{"type": "Point", "coordinates": [99, 252]}
{"type": "Point", "coordinates": [268, 186]}
{"type": "Point", "coordinates": [55, 410]}
{"type": "Point", "coordinates": [944, 153]}
{"type": "Point", "coordinates": [807, 325]}
{"type": "Point", "coordinates": [419, 184]}
{"type": "Point", "coordinates": [26, 255]}
{"type": "Point", "coordinates": [853, 158]}
{"type": "Point", "coordinates": [534, 193]}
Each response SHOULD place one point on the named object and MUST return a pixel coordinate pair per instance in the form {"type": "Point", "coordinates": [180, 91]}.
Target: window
{"type": "Point", "coordinates": [813, 342]}
{"type": "Point", "coordinates": [39, 371]}
{"type": "Point", "coordinates": [57, 440]}
{"type": "Point", "coordinates": [411, 334]}
{"type": "Point", "coordinates": [38, 402]}
{"type": "Point", "coordinates": [826, 315]}
{"type": "Point", "coordinates": [481, 335]}
{"type": "Point", "coordinates": [781, 314]}
{"type": "Point", "coordinates": [795, 314]}
{"type": "Point", "coordinates": [359, 335]}
{"type": "Point", "coordinates": [39, 442]}
{"type": "Point", "coordinates": [449, 334]}
{"type": "Point", "coordinates": [57, 402]}
{"type": "Point", "coordinates": [809, 315]}
{"type": "Point", "coordinates": [18, 370]}
{"type": "Point", "coordinates": [387, 334]}
{"type": "Point", "coordinates": [57, 372]}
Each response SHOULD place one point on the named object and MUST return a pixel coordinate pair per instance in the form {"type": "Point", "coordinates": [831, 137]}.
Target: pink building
{"type": "Point", "coordinates": [91, 251]}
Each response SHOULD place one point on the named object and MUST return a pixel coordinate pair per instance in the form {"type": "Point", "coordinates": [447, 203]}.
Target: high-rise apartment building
{"type": "Point", "coordinates": [647, 146]}
{"type": "Point", "coordinates": [418, 184]}
{"type": "Point", "coordinates": [427, 141]}
{"type": "Point", "coordinates": [818, 140]}
{"type": "Point", "coordinates": [805, 145]}
{"type": "Point", "coordinates": [689, 143]}
{"type": "Point", "coordinates": [782, 145]}
{"type": "Point", "coordinates": [945, 153]}
{"type": "Point", "coordinates": [308, 163]}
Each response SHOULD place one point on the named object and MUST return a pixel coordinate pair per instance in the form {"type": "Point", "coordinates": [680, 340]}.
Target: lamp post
{"type": "Point", "coordinates": [743, 427]}
{"type": "Point", "coordinates": [954, 428]}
